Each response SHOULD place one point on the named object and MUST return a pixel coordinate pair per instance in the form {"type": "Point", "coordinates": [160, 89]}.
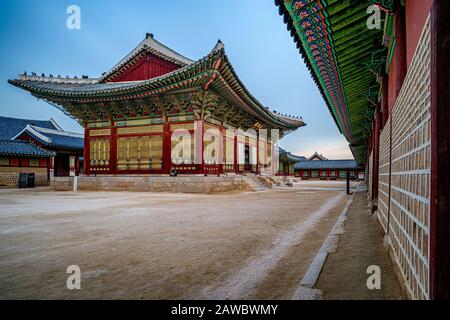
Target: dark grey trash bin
{"type": "Point", "coordinates": [31, 180]}
{"type": "Point", "coordinates": [23, 180]}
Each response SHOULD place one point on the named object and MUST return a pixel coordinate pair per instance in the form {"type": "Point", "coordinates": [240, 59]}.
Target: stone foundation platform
{"type": "Point", "coordinates": [143, 183]}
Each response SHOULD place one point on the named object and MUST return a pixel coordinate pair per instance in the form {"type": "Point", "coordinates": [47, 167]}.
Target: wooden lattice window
{"type": "Point", "coordinates": [183, 148]}
{"type": "Point", "coordinates": [99, 152]}
{"type": "Point", "coordinates": [228, 150]}
{"type": "Point", "coordinates": [139, 153]}
{"type": "Point", "coordinates": [211, 144]}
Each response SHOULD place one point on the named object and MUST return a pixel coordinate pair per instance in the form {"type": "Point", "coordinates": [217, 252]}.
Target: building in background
{"type": "Point", "coordinates": [37, 147]}
{"type": "Point", "coordinates": [319, 167]}
{"type": "Point", "coordinates": [21, 157]}
{"type": "Point", "coordinates": [387, 88]}
{"type": "Point", "coordinates": [138, 114]}
{"type": "Point", "coordinates": [287, 162]}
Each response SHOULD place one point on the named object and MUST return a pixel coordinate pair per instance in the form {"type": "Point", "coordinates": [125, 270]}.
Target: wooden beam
{"type": "Point", "coordinates": [440, 152]}
{"type": "Point", "coordinates": [376, 154]}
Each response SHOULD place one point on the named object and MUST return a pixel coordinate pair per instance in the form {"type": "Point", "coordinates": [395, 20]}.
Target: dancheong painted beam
{"type": "Point", "coordinates": [346, 58]}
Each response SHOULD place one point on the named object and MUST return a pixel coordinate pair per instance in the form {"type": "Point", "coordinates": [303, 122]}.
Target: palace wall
{"type": "Point", "coordinates": [11, 167]}
{"type": "Point", "coordinates": [405, 173]}
{"type": "Point", "coordinates": [9, 176]}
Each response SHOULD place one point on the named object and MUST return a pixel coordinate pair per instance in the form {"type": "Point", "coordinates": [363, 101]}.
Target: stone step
{"type": "Point", "coordinates": [255, 184]}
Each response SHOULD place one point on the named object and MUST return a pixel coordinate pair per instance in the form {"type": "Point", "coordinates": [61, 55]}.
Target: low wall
{"type": "Point", "coordinates": [187, 184]}
{"type": "Point", "coordinates": [9, 176]}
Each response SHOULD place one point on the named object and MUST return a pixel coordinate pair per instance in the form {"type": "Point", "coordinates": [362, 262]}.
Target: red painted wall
{"type": "Point", "coordinates": [392, 83]}
{"type": "Point", "coordinates": [148, 67]}
{"type": "Point", "coordinates": [416, 14]}
{"type": "Point", "coordinates": [25, 162]}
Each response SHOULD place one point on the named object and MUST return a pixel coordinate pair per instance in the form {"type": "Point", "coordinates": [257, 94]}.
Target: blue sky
{"type": "Point", "coordinates": [34, 37]}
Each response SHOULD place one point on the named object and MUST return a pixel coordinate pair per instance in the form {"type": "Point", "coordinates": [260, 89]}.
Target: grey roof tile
{"type": "Point", "coordinates": [22, 148]}
{"type": "Point", "coordinates": [326, 164]}
{"type": "Point", "coordinates": [9, 127]}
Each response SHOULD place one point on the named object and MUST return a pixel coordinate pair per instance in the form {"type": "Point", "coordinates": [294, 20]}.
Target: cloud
{"type": "Point", "coordinates": [330, 148]}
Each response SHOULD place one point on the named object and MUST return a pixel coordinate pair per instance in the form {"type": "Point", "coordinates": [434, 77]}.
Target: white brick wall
{"type": "Point", "coordinates": [409, 227]}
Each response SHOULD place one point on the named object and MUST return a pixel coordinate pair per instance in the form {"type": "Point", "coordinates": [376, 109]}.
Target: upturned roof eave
{"type": "Point", "coordinates": [288, 21]}
{"type": "Point", "coordinates": [139, 86]}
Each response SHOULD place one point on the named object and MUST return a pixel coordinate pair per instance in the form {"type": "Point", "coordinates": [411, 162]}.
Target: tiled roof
{"type": "Point", "coordinates": [149, 44]}
{"type": "Point", "coordinates": [10, 127]}
{"type": "Point", "coordinates": [317, 155]}
{"type": "Point", "coordinates": [22, 148]}
{"type": "Point", "coordinates": [214, 70]}
{"type": "Point", "coordinates": [54, 138]}
{"type": "Point", "coordinates": [296, 158]}
{"type": "Point", "coordinates": [326, 164]}
{"type": "Point", "coordinates": [344, 57]}
{"type": "Point", "coordinates": [290, 156]}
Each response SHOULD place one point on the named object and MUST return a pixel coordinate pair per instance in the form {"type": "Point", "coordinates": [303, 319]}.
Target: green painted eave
{"type": "Point", "coordinates": [345, 58]}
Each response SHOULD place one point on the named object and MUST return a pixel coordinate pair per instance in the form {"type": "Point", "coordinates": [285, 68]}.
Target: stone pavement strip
{"type": "Point", "coordinates": [344, 274]}
{"type": "Point", "coordinates": [339, 270]}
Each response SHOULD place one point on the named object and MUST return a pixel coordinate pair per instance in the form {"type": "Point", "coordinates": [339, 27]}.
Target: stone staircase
{"type": "Point", "coordinates": [257, 183]}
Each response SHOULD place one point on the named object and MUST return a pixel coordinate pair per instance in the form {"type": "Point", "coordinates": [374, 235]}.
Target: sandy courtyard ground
{"type": "Point", "coordinates": [239, 245]}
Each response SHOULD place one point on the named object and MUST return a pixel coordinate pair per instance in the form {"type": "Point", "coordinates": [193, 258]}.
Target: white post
{"type": "Point", "coordinates": [75, 183]}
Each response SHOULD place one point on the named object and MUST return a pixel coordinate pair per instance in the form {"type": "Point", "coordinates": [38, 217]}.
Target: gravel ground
{"type": "Point", "coordinates": [162, 245]}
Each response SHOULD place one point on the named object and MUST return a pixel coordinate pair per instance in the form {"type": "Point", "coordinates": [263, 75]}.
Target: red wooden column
{"type": "Point", "coordinates": [369, 148]}
{"type": "Point", "coordinates": [222, 145]}
{"type": "Point", "coordinates": [440, 152]}
{"type": "Point", "coordinates": [376, 154]}
{"type": "Point", "coordinates": [385, 100]}
{"type": "Point", "coordinates": [167, 145]}
{"type": "Point", "coordinates": [87, 151]}
{"type": "Point", "coordinates": [113, 149]}
{"type": "Point", "coordinates": [200, 144]}
{"type": "Point", "coordinates": [49, 166]}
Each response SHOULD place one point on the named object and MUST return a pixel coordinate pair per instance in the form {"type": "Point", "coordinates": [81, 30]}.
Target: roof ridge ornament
{"type": "Point", "coordinates": [219, 46]}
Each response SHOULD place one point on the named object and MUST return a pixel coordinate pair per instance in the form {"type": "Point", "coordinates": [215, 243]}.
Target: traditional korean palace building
{"type": "Point", "coordinates": [382, 68]}
{"type": "Point", "coordinates": [37, 147]}
{"type": "Point", "coordinates": [157, 111]}
{"type": "Point", "coordinates": [287, 162]}
{"type": "Point", "coordinates": [319, 167]}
